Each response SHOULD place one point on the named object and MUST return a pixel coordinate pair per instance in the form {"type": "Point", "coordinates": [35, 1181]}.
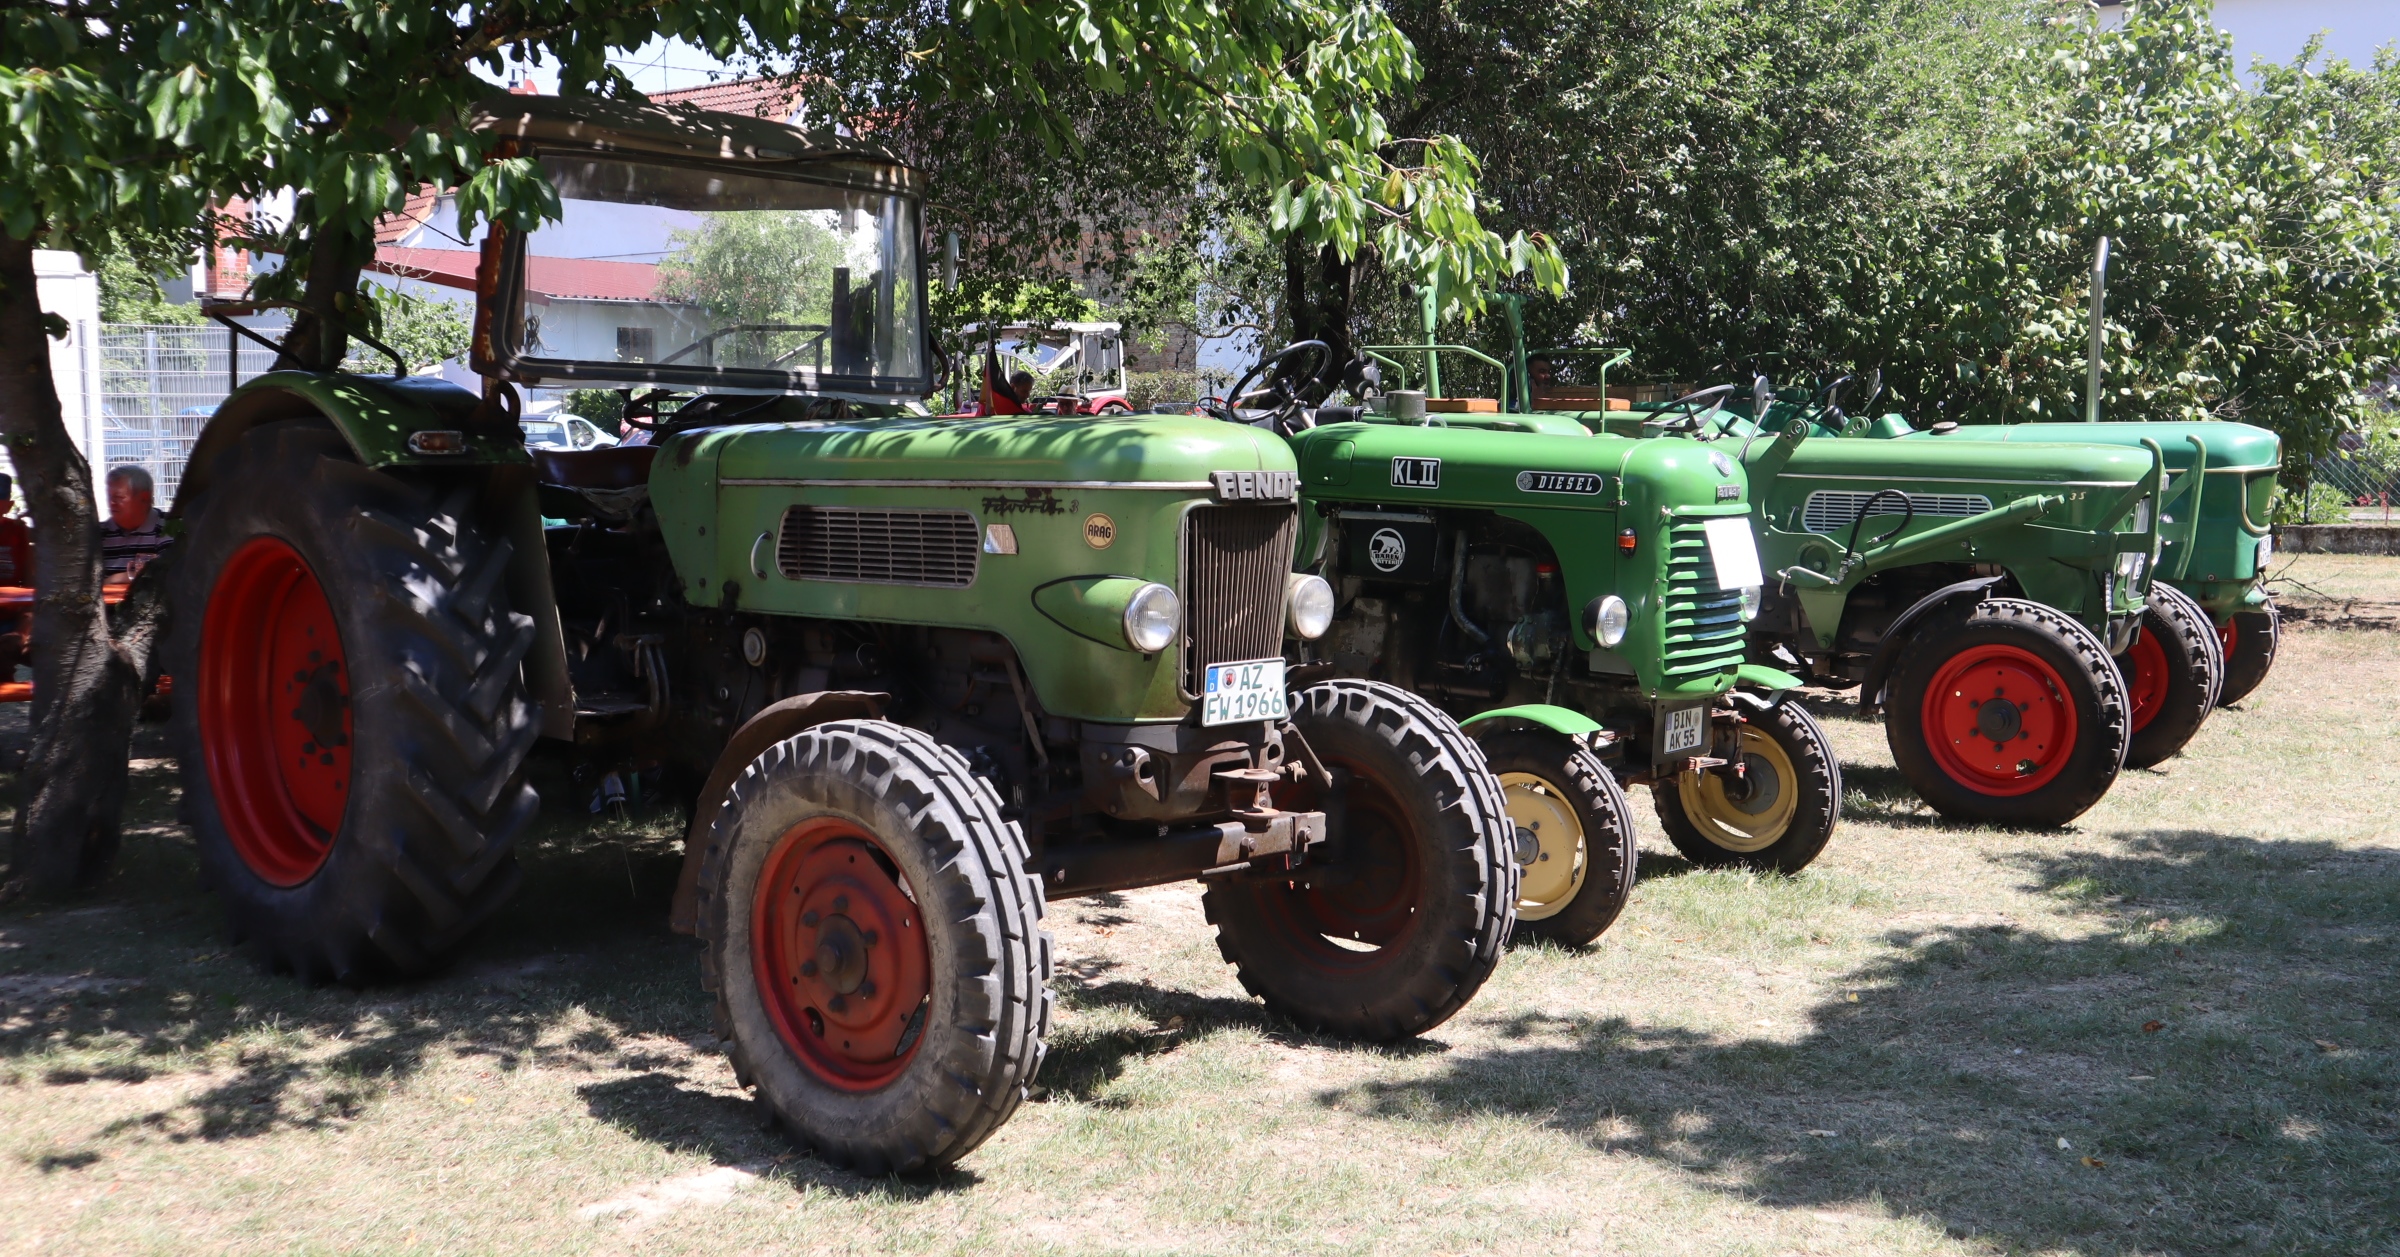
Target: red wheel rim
{"type": "Point", "coordinates": [2228, 633]}
{"type": "Point", "coordinates": [274, 703]}
{"type": "Point", "coordinates": [2146, 678]}
{"type": "Point", "coordinates": [839, 953]}
{"type": "Point", "coordinates": [2014, 748]}
{"type": "Point", "coordinates": [1360, 919]}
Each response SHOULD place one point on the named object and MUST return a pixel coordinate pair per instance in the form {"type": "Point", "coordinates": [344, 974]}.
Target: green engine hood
{"type": "Point", "coordinates": [1143, 449]}
{"type": "Point", "coordinates": [2231, 446]}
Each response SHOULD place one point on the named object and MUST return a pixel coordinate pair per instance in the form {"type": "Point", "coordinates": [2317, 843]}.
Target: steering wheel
{"type": "Point", "coordinates": [1828, 400]}
{"type": "Point", "coordinates": [1283, 396]}
{"type": "Point", "coordinates": [1695, 418]}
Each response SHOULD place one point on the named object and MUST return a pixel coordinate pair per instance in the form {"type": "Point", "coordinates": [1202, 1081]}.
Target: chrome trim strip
{"type": "Point", "coordinates": [1177, 486]}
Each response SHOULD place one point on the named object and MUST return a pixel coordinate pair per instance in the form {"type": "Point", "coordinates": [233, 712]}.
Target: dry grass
{"type": "Point", "coordinates": [1883, 1055]}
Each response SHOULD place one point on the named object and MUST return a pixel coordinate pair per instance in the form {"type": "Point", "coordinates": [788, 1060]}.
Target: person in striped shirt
{"type": "Point", "coordinates": [134, 532]}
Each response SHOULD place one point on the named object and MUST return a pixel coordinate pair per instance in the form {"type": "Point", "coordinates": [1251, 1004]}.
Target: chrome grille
{"type": "Point", "coordinates": [1703, 623]}
{"type": "Point", "coordinates": [1829, 510]}
{"type": "Point", "coordinates": [876, 547]}
{"type": "Point", "coordinates": [1235, 562]}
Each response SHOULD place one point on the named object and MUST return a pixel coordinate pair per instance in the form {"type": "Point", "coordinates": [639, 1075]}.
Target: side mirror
{"type": "Point", "coordinates": [1762, 395]}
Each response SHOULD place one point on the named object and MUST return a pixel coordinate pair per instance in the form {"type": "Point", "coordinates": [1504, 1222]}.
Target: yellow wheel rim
{"type": "Point", "coordinates": [1550, 883]}
{"type": "Point", "coordinates": [1754, 821]}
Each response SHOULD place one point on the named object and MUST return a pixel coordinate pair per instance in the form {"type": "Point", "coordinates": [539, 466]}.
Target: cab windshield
{"type": "Point", "coordinates": [699, 276]}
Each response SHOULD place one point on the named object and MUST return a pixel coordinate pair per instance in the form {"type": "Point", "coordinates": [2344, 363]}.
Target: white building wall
{"type": "Point", "coordinates": [72, 293]}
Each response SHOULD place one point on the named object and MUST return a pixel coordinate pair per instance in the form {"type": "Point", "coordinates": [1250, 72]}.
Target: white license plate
{"type": "Point", "coordinates": [1734, 551]}
{"type": "Point", "coordinates": [1687, 728]}
{"type": "Point", "coordinates": [1233, 692]}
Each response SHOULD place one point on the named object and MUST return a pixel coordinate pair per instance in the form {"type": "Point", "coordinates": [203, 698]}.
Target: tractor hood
{"type": "Point", "coordinates": [1824, 486]}
{"type": "Point", "coordinates": [2231, 446]}
{"type": "Point", "coordinates": [1176, 451]}
{"type": "Point", "coordinates": [1462, 466]}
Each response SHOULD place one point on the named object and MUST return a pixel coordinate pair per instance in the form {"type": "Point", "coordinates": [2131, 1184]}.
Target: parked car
{"type": "Point", "coordinates": [563, 432]}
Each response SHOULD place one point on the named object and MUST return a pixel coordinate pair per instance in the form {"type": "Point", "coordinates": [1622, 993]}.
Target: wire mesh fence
{"type": "Point", "coordinates": [2358, 484]}
{"type": "Point", "coordinates": [159, 383]}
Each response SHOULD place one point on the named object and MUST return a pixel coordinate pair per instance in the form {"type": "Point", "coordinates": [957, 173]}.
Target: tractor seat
{"type": "Point", "coordinates": [609, 467]}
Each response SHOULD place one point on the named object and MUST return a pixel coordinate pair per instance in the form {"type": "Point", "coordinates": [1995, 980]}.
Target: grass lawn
{"type": "Point", "coordinates": [2169, 1029]}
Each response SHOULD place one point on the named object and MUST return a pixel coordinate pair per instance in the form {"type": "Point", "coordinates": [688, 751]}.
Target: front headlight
{"type": "Point", "coordinates": [1605, 619]}
{"type": "Point", "coordinates": [1152, 617]}
{"type": "Point", "coordinates": [1750, 597]}
{"type": "Point", "coordinates": [1310, 601]}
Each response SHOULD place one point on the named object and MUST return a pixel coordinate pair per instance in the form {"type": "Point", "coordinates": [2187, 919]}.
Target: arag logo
{"type": "Point", "coordinates": [1387, 550]}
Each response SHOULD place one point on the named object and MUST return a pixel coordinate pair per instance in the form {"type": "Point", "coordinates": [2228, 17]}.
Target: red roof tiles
{"type": "Point", "coordinates": [553, 277]}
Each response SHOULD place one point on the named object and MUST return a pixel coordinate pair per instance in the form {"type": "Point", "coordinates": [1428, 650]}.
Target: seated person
{"type": "Point", "coordinates": [134, 531]}
{"type": "Point", "coordinates": [16, 540]}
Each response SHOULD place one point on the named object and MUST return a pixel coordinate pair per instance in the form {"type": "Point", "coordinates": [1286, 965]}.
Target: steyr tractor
{"type": "Point", "coordinates": [1581, 601]}
{"type": "Point", "coordinates": [928, 674]}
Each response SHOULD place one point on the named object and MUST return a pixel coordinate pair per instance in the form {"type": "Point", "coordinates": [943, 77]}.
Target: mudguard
{"type": "Point", "coordinates": [1766, 678]}
{"type": "Point", "coordinates": [773, 723]}
{"type": "Point", "coordinates": [1887, 652]}
{"type": "Point", "coordinates": [1560, 720]}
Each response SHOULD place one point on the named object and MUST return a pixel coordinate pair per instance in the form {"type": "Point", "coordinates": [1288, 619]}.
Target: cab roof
{"type": "Point", "coordinates": [597, 124]}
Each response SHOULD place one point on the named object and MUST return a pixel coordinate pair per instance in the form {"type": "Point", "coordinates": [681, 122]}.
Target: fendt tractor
{"type": "Point", "coordinates": [1582, 602]}
{"type": "Point", "coordinates": [927, 674]}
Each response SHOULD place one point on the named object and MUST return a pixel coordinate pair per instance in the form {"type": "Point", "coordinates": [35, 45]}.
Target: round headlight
{"type": "Point", "coordinates": [1605, 619]}
{"type": "Point", "coordinates": [1310, 601]}
{"type": "Point", "coordinates": [1152, 616]}
{"type": "Point", "coordinates": [1750, 597]}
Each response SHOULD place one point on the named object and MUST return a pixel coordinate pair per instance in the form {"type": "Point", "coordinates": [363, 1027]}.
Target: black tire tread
{"type": "Point", "coordinates": [1811, 752]}
{"type": "Point", "coordinates": [1469, 796]}
{"type": "Point", "coordinates": [2107, 727]}
{"type": "Point", "coordinates": [426, 852]}
{"type": "Point", "coordinates": [2196, 660]}
{"type": "Point", "coordinates": [2258, 635]}
{"type": "Point", "coordinates": [981, 861]}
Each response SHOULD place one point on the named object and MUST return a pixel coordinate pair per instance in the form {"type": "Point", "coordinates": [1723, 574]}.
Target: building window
{"type": "Point", "coordinates": [635, 344]}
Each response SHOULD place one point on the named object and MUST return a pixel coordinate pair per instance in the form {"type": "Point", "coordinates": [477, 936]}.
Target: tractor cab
{"type": "Point", "coordinates": [1077, 368]}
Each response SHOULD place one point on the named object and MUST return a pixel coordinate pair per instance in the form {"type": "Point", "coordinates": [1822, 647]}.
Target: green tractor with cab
{"type": "Point", "coordinates": [1580, 602]}
{"type": "Point", "coordinates": [926, 674]}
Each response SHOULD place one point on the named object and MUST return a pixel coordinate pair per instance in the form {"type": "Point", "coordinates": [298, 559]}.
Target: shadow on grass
{"type": "Point", "coordinates": [2218, 1043]}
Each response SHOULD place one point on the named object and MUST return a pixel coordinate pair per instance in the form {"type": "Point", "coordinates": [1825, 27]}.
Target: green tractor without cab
{"type": "Point", "coordinates": [1580, 601]}
{"type": "Point", "coordinates": [924, 674]}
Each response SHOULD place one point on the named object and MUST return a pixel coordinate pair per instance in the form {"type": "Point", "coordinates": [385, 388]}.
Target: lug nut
{"type": "Point", "coordinates": [866, 990]}
{"type": "Point", "coordinates": [841, 903]}
{"type": "Point", "coordinates": [808, 968]}
{"type": "Point", "coordinates": [873, 938]}
{"type": "Point", "coordinates": [836, 1003]}
{"type": "Point", "coordinates": [809, 919]}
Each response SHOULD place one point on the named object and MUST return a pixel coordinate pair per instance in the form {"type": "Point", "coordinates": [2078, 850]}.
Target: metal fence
{"type": "Point", "coordinates": [159, 383]}
{"type": "Point", "coordinates": [2360, 484]}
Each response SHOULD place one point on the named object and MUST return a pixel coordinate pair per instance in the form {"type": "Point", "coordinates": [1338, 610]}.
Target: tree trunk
{"type": "Point", "coordinates": [86, 683]}
{"type": "Point", "coordinates": [318, 339]}
{"type": "Point", "coordinates": [1317, 298]}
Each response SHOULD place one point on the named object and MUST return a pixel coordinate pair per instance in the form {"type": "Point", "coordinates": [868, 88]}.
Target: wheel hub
{"type": "Point", "coordinates": [842, 961]}
{"type": "Point", "coordinates": [1745, 812]}
{"type": "Point", "coordinates": [1559, 862]}
{"type": "Point", "coordinates": [2000, 719]}
{"type": "Point", "coordinates": [1997, 719]}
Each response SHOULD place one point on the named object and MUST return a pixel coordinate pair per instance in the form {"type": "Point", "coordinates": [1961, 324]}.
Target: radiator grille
{"type": "Point", "coordinates": [1703, 622]}
{"type": "Point", "coordinates": [1235, 562]}
{"type": "Point", "coordinates": [1830, 510]}
{"type": "Point", "coordinates": [876, 547]}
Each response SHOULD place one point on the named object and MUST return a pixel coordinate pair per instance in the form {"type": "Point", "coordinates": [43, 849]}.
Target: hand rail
{"type": "Point", "coordinates": [1898, 551]}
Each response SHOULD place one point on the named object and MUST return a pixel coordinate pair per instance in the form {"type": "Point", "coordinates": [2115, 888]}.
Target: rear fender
{"type": "Point", "coordinates": [773, 723]}
{"type": "Point", "coordinates": [1887, 653]}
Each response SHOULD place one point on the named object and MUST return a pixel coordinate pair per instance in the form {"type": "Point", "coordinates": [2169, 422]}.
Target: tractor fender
{"type": "Point", "coordinates": [1887, 652]}
{"type": "Point", "coordinates": [1560, 720]}
{"type": "Point", "coordinates": [1767, 678]}
{"type": "Point", "coordinates": [773, 723]}
{"type": "Point", "coordinates": [377, 417]}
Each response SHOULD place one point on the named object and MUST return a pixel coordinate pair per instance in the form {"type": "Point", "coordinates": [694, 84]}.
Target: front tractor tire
{"type": "Point", "coordinates": [349, 713]}
{"type": "Point", "coordinates": [2173, 672]}
{"type": "Point", "coordinates": [2249, 640]}
{"type": "Point", "coordinates": [1582, 827]}
{"type": "Point", "coordinates": [1777, 814]}
{"type": "Point", "coordinates": [2011, 713]}
{"type": "Point", "coordinates": [1391, 931]}
{"type": "Point", "coordinates": [875, 946]}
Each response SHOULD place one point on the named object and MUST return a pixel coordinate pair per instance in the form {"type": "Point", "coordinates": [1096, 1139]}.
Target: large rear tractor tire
{"type": "Point", "coordinates": [2011, 714]}
{"type": "Point", "coordinates": [1582, 829]}
{"type": "Point", "coordinates": [1393, 930]}
{"type": "Point", "coordinates": [875, 945]}
{"type": "Point", "coordinates": [2173, 672]}
{"type": "Point", "coordinates": [1777, 814]}
{"type": "Point", "coordinates": [2249, 640]}
{"type": "Point", "coordinates": [349, 709]}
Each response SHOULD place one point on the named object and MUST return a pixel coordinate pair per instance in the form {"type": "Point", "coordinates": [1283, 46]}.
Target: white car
{"type": "Point", "coordinates": [563, 432]}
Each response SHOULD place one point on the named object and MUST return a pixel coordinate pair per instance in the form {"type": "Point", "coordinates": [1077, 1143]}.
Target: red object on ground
{"type": "Point", "coordinates": [275, 711]}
